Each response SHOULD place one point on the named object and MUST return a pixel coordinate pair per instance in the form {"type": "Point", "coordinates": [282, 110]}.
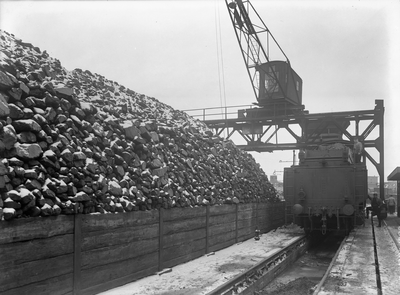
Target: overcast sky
{"type": "Point", "coordinates": [185, 54]}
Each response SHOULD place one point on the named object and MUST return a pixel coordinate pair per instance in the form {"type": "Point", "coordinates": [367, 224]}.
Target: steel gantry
{"type": "Point", "coordinates": [308, 131]}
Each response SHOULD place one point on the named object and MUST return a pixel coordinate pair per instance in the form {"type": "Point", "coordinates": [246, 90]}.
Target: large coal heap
{"type": "Point", "coordinates": [74, 142]}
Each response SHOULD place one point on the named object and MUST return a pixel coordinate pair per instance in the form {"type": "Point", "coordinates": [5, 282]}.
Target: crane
{"type": "Point", "coordinates": [275, 84]}
{"type": "Point", "coordinates": [277, 172]}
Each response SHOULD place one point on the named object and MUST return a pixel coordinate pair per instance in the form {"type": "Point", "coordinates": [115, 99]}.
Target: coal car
{"type": "Point", "coordinates": [326, 191]}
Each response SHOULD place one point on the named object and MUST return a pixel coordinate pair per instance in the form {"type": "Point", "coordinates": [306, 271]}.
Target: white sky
{"type": "Point", "coordinates": [346, 52]}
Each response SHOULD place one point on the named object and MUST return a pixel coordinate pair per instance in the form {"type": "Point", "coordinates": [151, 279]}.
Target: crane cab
{"type": "Point", "coordinates": [279, 84]}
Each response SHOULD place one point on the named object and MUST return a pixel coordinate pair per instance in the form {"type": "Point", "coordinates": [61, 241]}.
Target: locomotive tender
{"type": "Point", "coordinates": [326, 191]}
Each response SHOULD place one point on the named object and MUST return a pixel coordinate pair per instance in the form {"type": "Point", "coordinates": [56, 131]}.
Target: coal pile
{"type": "Point", "coordinates": [74, 142]}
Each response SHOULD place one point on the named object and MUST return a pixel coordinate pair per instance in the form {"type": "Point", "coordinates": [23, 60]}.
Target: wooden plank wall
{"type": "Point", "coordinates": [36, 256]}
{"type": "Point", "coordinates": [184, 235]}
{"type": "Point", "coordinates": [87, 254]}
{"type": "Point", "coordinates": [247, 221]}
{"type": "Point", "coordinates": [117, 249]}
{"type": "Point", "coordinates": [222, 227]}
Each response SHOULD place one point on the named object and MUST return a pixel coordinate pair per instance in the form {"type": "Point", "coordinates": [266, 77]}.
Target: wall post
{"type": "Point", "coordinates": [237, 223]}
{"type": "Point", "coordinates": [207, 227]}
{"type": "Point", "coordinates": [160, 239]}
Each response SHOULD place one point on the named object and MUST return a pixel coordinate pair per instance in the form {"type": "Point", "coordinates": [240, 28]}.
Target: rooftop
{"type": "Point", "coordinates": [395, 175]}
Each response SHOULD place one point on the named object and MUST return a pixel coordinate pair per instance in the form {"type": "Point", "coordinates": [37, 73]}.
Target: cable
{"type": "Point", "coordinates": [222, 59]}
{"type": "Point", "coordinates": [220, 62]}
{"type": "Point", "coordinates": [217, 43]}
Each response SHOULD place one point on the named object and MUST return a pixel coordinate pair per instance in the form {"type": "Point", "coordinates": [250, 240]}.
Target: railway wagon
{"type": "Point", "coordinates": [326, 191]}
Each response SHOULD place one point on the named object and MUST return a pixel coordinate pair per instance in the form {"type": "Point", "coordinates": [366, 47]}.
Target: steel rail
{"type": "Point", "coordinates": [323, 280]}
{"type": "Point", "coordinates": [378, 272]}
{"type": "Point", "coordinates": [249, 278]}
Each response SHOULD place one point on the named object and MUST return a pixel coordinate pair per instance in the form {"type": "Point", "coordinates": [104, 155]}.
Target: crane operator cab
{"type": "Point", "coordinates": [279, 83]}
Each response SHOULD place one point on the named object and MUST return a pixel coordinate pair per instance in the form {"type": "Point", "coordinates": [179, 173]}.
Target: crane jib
{"type": "Point", "coordinates": [246, 19]}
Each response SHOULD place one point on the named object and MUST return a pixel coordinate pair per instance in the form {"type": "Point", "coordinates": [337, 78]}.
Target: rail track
{"type": "Point", "coordinates": [257, 280]}
{"type": "Point", "coordinates": [260, 275]}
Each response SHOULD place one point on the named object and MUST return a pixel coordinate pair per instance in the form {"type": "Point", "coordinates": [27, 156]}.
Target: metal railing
{"type": "Point", "coordinates": [227, 112]}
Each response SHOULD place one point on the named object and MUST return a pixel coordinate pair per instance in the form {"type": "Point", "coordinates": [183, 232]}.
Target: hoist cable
{"type": "Point", "coordinates": [218, 58]}
{"type": "Point", "coordinates": [222, 59]}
